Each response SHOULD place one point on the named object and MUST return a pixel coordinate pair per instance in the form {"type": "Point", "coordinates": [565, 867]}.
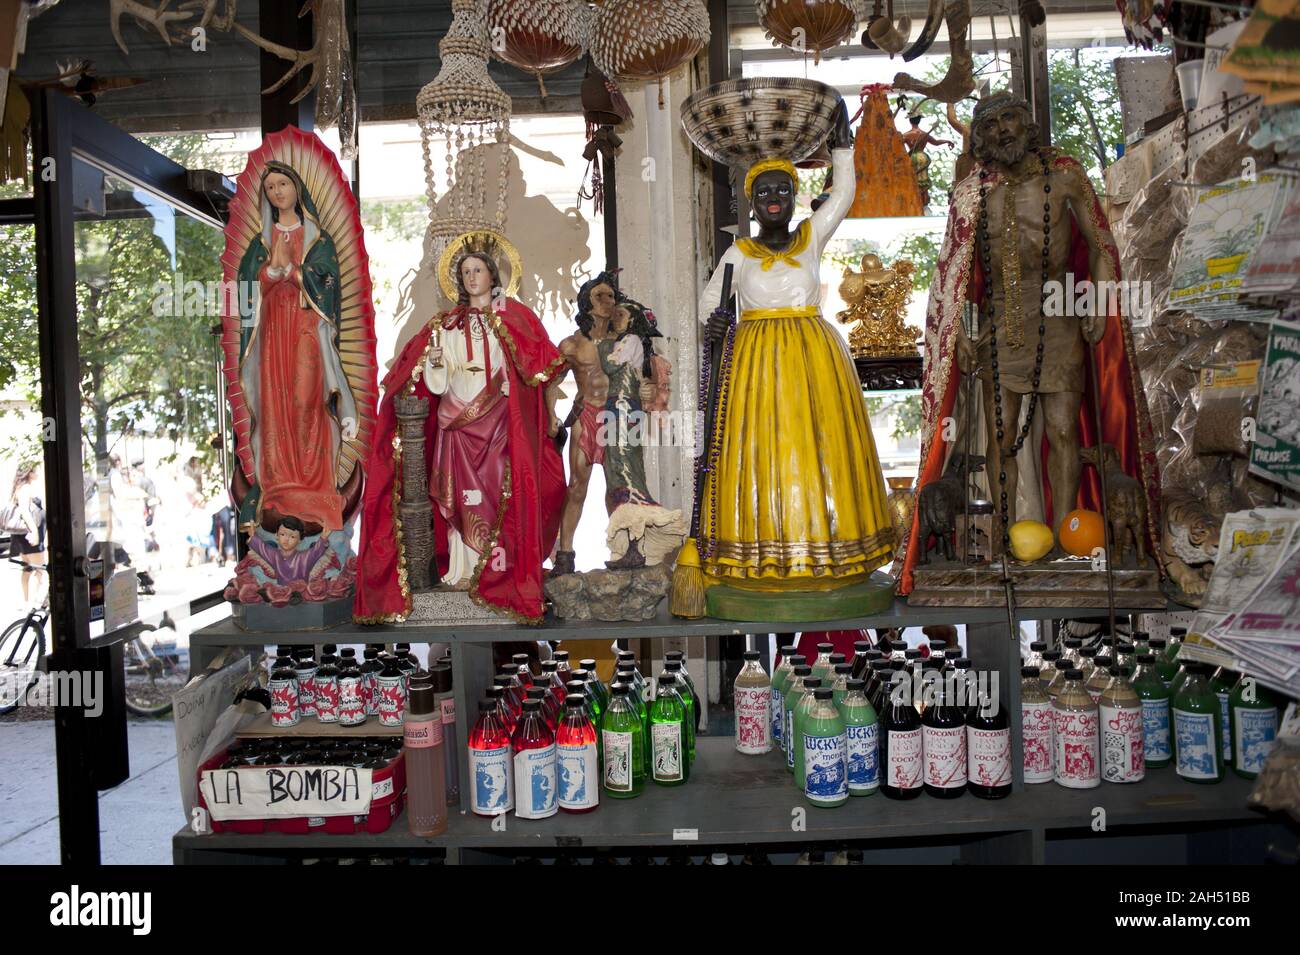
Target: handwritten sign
{"type": "Point", "coordinates": [286, 792]}
{"type": "Point", "coordinates": [196, 709]}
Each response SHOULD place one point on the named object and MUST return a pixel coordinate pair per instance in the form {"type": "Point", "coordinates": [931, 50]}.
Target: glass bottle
{"type": "Point", "coordinates": [1177, 682]}
{"type": "Point", "coordinates": [929, 692]}
{"type": "Point", "coordinates": [1176, 637]}
{"type": "Point", "coordinates": [623, 735]}
{"type": "Point", "coordinates": [988, 749]}
{"type": "Point", "coordinates": [965, 686]}
{"type": "Point", "coordinates": [597, 685]}
{"type": "Point", "coordinates": [825, 751]}
{"type": "Point", "coordinates": [510, 694]}
{"type": "Point", "coordinates": [305, 667]}
{"type": "Point", "coordinates": [579, 685]}
{"type": "Point", "coordinates": [1222, 683]}
{"type": "Point", "coordinates": [1139, 639]}
{"type": "Point", "coordinates": [1126, 660]}
{"type": "Point", "coordinates": [1036, 650]}
{"type": "Point", "coordinates": [1058, 682]}
{"type": "Point", "coordinates": [522, 670]}
{"type": "Point", "coordinates": [793, 693]}
{"type": "Point", "coordinates": [370, 667]}
{"type": "Point", "coordinates": [284, 692]}
{"type": "Point", "coordinates": [1157, 750]}
{"type": "Point", "coordinates": [860, 659]}
{"type": "Point", "coordinates": [490, 765]}
{"type": "Point", "coordinates": [426, 783]}
{"type": "Point", "coordinates": [1252, 723]}
{"type": "Point", "coordinates": [802, 707]}
{"type": "Point", "coordinates": [937, 648]}
{"type": "Point", "coordinates": [1099, 679]}
{"type": "Point", "coordinates": [780, 679]}
{"type": "Point", "coordinates": [752, 697]}
{"type": "Point", "coordinates": [533, 745]}
{"type": "Point", "coordinates": [550, 680]}
{"type": "Point", "coordinates": [687, 693]}
{"type": "Point", "coordinates": [550, 712]}
{"type": "Point", "coordinates": [1198, 728]}
{"type": "Point", "coordinates": [679, 657]}
{"type": "Point", "coordinates": [1087, 662]}
{"type": "Point", "coordinates": [1036, 730]}
{"type": "Point", "coordinates": [822, 667]}
{"type": "Point", "coordinates": [670, 763]}
{"type": "Point", "coordinates": [326, 689]}
{"type": "Point", "coordinates": [1166, 669]}
{"type": "Point", "coordinates": [1076, 760]}
{"type": "Point", "coordinates": [878, 684]}
{"type": "Point", "coordinates": [943, 745]}
{"type": "Point", "coordinates": [577, 759]}
{"type": "Point", "coordinates": [443, 692]}
{"type": "Point", "coordinates": [861, 739]}
{"type": "Point", "coordinates": [1123, 754]}
{"type": "Point", "coordinates": [840, 681]}
{"type": "Point", "coordinates": [901, 763]}
{"type": "Point", "coordinates": [562, 668]}
{"type": "Point", "coordinates": [642, 711]}
{"type": "Point", "coordinates": [497, 694]}
{"type": "Point", "coordinates": [1070, 654]}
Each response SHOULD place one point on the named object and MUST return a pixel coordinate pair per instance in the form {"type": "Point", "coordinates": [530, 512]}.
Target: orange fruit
{"type": "Point", "coordinates": [1082, 532]}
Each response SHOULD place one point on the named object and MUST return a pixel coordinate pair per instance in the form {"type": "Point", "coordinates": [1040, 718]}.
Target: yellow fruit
{"type": "Point", "coordinates": [1082, 532]}
{"type": "Point", "coordinates": [1030, 540]}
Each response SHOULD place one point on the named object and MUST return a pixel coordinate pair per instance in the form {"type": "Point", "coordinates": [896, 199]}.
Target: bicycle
{"type": "Point", "coordinates": [153, 668]}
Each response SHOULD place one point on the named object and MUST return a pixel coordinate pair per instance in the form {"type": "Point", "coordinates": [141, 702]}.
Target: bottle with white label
{"type": "Point", "coordinates": [1123, 752]}
{"type": "Point", "coordinates": [670, 763]}
{"type": "Point", "coordinates": [1157, 747]}
{"type": "Point", "coordinates": [900, 741]}
{"type": "Point", "coordinates": [988, 749]}
{"type": "Point", "coordinates": [491, 764]}
{"type": "Point", "coordinates": [860, 737]}
{"type": "Point", "coordinates": [1198, 727]}
{"type": "Point", "coordinates": [1252, 725]}
{"type": "Point", "coordinates": [793, 694]}
{"type": "Point", "coordinates": [577, 763]}
{"type": "Point", "coordinates": [943, 741]}
{"type": "Point", "coordinates": [426, 785]}
{"type": "Point", "coordinates": [825, 752]}
{"type": "Point", "coordinates": [1076, 763]}
{"type": "Point", "coordinates": [533, 745]}
{"type": "Point", "coordinates": [1036, 728]}
{"type": "Point", "coordinates": [752, 693]}
{"type": "Point", "coordinates": [780, 676]}
{"type": "Point", "coordinates": [623, 737]}
{"type": "Point", "coordinates": [1222, 683]}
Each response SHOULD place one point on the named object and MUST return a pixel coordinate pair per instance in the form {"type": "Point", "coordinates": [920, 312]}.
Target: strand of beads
{"type": "Point", "coordinates": [719, 429]}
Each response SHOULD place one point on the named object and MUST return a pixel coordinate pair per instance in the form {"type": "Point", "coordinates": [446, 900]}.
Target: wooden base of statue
{"type": "Point", "coordinates": [1059, 583]}
{"type": "Point", "coordinates": [875, 595]}
{"type": "Point", "coordinates": [889, 374]}
{"type": "Point", "coordinates": [447, 606]}
{"type": "Point", "coordinates": [610, 595]}
{"type": "Point", "coordinates": [310, 615]}
{"type": "Point", "coordinates": [415, 508]}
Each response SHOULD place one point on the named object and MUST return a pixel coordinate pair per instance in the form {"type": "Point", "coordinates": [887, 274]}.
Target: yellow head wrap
{"type": "Point", "coordinates": [768, 165]}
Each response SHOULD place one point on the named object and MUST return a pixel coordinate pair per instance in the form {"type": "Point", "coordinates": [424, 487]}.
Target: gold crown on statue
{"type": "Point", "coordinates": [486, 242]}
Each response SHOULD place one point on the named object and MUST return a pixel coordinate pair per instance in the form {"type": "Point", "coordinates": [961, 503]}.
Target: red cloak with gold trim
{"type": "Point", "coordinates": [528, 512]}
{"type": "Point", "coordinates": [1125, 422]}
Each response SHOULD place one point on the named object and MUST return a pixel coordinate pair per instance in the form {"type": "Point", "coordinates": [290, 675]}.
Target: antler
{"type": "Point", "coordinates": [299, 58]}
{"type": "Point", "coordinates": [158, 18]}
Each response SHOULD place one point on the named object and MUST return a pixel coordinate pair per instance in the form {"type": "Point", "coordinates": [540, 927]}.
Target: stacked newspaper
{"type": "Point", "coordinates": [1259, 557]}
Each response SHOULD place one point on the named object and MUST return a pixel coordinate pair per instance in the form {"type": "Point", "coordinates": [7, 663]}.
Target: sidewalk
{"type": "Point", "coordinates": [136, 819]}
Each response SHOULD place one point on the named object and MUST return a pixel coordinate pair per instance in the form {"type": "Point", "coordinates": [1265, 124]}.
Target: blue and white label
{"type": "Point", "coordinates": [494, 784]}
{"type": "Point", "coordinates": [1223, 721]}
{"type": "Point", "coordinates": [778, 718]}
{"type": "Point", "coordinates": [789, 738]}
{"type": "Point", "coordinates": [1255, 731]}
{"type": "Point", "coordinates": [579, 782]}
{"type": "Point", "coordinates": [1155, 730]}
{"type": "Point", "coordinates": [864, 758]}
{"type": "Point", "coordinates": [1198, 750]}
{"type": "Point", "coordinates": [825, 760]}
{"type": "Point", "coordinates": [535, 795]}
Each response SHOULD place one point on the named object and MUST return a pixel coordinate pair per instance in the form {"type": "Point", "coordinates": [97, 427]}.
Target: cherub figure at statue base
{"type": "Point", "coordinates": [312, 577]}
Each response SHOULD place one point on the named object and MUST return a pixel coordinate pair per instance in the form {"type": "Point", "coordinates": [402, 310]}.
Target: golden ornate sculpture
{"type": "Point", "coordinates": [877, 298]}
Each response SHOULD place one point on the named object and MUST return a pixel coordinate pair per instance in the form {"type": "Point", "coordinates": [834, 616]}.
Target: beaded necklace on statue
{"type": "Point", "coordinates": [714, 449]}
{"type": "Point", "coordinates": [1014, 321]}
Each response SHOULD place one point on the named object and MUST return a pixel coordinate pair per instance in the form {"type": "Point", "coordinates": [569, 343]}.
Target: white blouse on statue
{"type": "Point", "coordinates": [783, 285]}
{"type": "Point", "coordinates": [464, 379]}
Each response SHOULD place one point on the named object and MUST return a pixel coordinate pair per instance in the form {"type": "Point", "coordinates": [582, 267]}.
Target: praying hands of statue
{"type": "Point", "coordinates": [280, 250]}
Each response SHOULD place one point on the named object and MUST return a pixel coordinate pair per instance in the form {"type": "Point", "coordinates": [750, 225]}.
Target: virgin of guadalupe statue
{"type": "Point", "coordinates": [298, 335]}
{"type": "Point", "coordinates": [794, 499]}
{"type": "Point", "coordinates": [495, 480]}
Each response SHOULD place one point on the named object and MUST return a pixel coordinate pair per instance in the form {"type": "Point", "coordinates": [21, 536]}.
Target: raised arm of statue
{"type": "Point", "coordinates": [831, 213]}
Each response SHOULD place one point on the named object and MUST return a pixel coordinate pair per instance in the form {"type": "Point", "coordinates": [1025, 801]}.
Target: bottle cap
{"type": "Point", "coordinates": [842, 668]}
{"type": "Point", "coordinates": [549, 666]}
{"type": "Point", "coordinates": [625, 655]}
{"type": "Point", "coordinates": [420, 701]}
{"type": "Point", "coordinates": [370, 653]}
{"type": "Point", "coordinates": [576, 686]}
{"type": "Point", "coordinates": [874, 654]}
{"type": "Point", "coordinates": [347, 652]}
{"type": "Point", "coordinates": [751, 655]}
{"type": "Point", "coordinates": [803, 670]}
{"type": "Point", "coordinates": [1074, 674]}
{"type": "Point", "coordinates": [789, 651]}
{"type": "Point", "coordinates": [912, 654]}
{"type": "Point", "coordinates": [1074, 642]}
{"type": "Point", "coordinates": [880, 665]}
{"type": "Point", "coordinates": [825, 647]}
{"type": "Point", "coordinates": [1178, 631]}
{"type": "Point", "coordinates": [838, 658]}
{"type": "Point", "coordinates": [578, 675]}
{"type": "Point", "coordinates": [856, 683]}
{"type": "Point", "coordinates": [1052, 655]}
{"type": "Point", "coordinates": [952, 653]}
{"type": "Point", "coordinates": [1146, 658]}
{"type": "Point", "coordinates": [1139, 635]}
{"type": "Point", "coordinates": [823, 692]}
{"type": "Point", "coordinates": [812, 683]}
{"type": "Point", "coordinates": [576, 701]}
{"type": "Point", "coordinates": [334, 647]}
{"type": "Point", "coordinates": [441, 675]}
{"type": "Point", "coordinates": [798, 659]}
{"type": "Point", "coordinates": [673, 655]}
{"type": "Point", "coordinates": [861, 646]}
{"type": "Point", "coordinates": [1038, 646]}
{"type": "Point", "coordinates": [496, 692]}
{"type": "Point", "coordinates": [1158, 643]}
{"type": "Point", "coordinates": [673, 666]}
{"type": "Point", "coordinates": [938, 646]}
{"type": "Point", "coordinates": [1104, 662]}
{"type": "Point", "coordinates": [885, 645]}
{"type": "Point", "coordinates": [1087, 651]}
{"type": "Point", "coordinates": [962, 663]}
{"type": "Point", "coordinates": [934, 663]}
{"type": "Point", "coordinates": [1114, 670]}
{"type": "Point", "coordinates": [1029, 671]}
{"type": "Point", "coordinates": [536, 692]}
{"type": "Point", "coordinates": [487, 705]}
{"type": "Point", "coordinates": [619, 689]}
{"type": "Point", "coordinates": [560, 656]}
{"type": "Point", "coordinates": [502, 680]}
{"type": "Point", "coordinates": [532, 705]}
{"type": "Point", "coordinates": [897, 665]}
{"type": "Point", "coordinates": [720, 858]}
{"type": "Point", "coordinates": [588, 664]}
{"type": "Point", "coordinates": [1126, 648]}
{"type": "Point", "coordinates": [625, 676]}
{"type": "Point", "coordinates": [668, 679]}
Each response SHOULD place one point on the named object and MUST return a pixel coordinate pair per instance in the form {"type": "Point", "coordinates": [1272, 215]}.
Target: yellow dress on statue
{"type": "Point", "coordinates": [796, 498]}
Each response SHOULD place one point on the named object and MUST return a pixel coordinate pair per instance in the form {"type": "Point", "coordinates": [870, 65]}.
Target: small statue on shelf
{"type": "Point", "coordinates": [916, 140]}
{"type": "Point", "coordinates": [878, 298]}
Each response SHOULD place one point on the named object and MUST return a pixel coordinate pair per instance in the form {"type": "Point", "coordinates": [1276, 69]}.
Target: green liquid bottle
{"type": "Point", "coordinates": [594, 705]}
{"type": "Point", "coordinates": [1177, 682]}
{"type": "Point", "coordinates": [793, 694]}
{"type": "Point", "coordinates": [810, 686]}
{"type": "Point", "coordinates": [670, 763]}
{"type": "Point", "coordinates": [622, 738]}
{"type": "Point", "coordinates": [780, 679]}
{"type": "Point", "coordinates": [1151, 690]}
{"type": "Point", "coordinates": [1222, 683]}
{"type": "Point", "coordinates": [687, 693]}
{"type": "Point", "coordinates": [685, 675]}
{"type": "Point", "coordinates": [822, 667]}
{"type": "Point", "coordinates": [840, 682]}
{"type": "Point", "coordinates": [860, 737]}
{"type": "Point", "coordinates": [1176, 637]}
{"type": "Point", "coordinates": [824, 752]}
{"type": "Point", "coordinates": [1198, 730]}
{"type": "Point", "coordinates": [1166, 668]}
{"type": "Point", "coordinates": [1252, 724]}
{"type": "Point", "coordinates": [634, 696]}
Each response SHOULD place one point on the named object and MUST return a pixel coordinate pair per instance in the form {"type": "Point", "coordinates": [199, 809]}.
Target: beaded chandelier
{"type": "Point", "coordinates": [465, 109]}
